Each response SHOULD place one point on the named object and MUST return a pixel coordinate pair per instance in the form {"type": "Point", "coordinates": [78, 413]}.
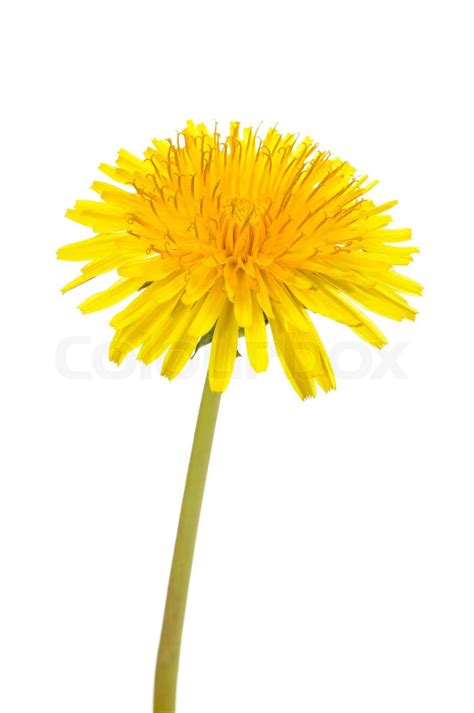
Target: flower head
{"type": "Point", "coordinates": [218, 237]}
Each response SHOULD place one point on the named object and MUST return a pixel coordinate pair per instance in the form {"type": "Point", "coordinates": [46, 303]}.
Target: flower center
{"type": "Point", "coordinates": [244, 211]}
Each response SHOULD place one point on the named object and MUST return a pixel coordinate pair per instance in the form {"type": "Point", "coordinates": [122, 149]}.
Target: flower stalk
{"type": "Point", "coordinates": [166, 674]}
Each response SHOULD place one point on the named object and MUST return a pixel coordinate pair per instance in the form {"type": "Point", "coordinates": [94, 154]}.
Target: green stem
{"type": "Point", "coordinates": [166, 674]}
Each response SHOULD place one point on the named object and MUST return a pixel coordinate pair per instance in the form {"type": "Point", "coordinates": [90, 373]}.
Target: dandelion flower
{"type": "Point", "coordinates": [217, 237]}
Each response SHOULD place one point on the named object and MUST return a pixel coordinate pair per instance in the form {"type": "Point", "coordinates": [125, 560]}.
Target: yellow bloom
{"type": "Point", "coordinates": [220, 236]}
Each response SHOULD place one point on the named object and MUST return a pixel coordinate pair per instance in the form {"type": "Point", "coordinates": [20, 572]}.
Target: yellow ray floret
{"type": "Point", "coordinates": [220, 236]}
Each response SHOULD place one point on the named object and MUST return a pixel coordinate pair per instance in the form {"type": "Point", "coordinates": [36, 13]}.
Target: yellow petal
{"type": "Point", "coordinates": [94, 269]}
{"type": "Point", "coordinates": [97, 247]}
{"type": "Point", "coordinates": [182, 346]}
{"type": "Point", "coordinates": [116, 293]}
{"type": "Point", "coordinates": [98, 216]}
{"type": "Point", "coordinates": [230, 271]}
{"type": "Point", "coordinates": [299, 377]}
{"type": "Point", "coordinates": [161, 336]}
{"type": "Point", "coordinates": [178, 355]}
{"type": "Point", "coordinates": [243, 299]}
{"type": "Point", "coordinates": [330, 302]}
{"type": "Point", "coordinates": [288, 276]}
{"type": "Point", "coordinates": [224, 349]}
{"type": "Point", "coordinates": [201, 280]}
{"type": "Point", "coordinates": [207, 315]}
{"type": "Point", "coordinates": [138, 307]}
{"type": "Point", "coordinates": [256, 338]}
{"type": "Point", "coordinates": [288, 306]}
{"type": "Point", "coordinates": [169, 287]}
{"type": "Point", "coordinates": [141, 331]}
{"type": "Point", "coordinates": [322, 368]}
{"type": "Point", "coordinates": [262, 294]}
{"type": "Point", "coordinates": [382, 300]}
{"type": "Point", "coordinates": [401, 283]}
{"type": "Point", "coordinates": [154, 268]}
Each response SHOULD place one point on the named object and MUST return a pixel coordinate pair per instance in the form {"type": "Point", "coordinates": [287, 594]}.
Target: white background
{"type": "Point", "coordinates": [334, 567]}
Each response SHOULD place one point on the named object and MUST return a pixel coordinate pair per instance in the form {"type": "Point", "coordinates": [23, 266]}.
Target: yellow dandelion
{"type": "Point", "coordinates": [219, 236]}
